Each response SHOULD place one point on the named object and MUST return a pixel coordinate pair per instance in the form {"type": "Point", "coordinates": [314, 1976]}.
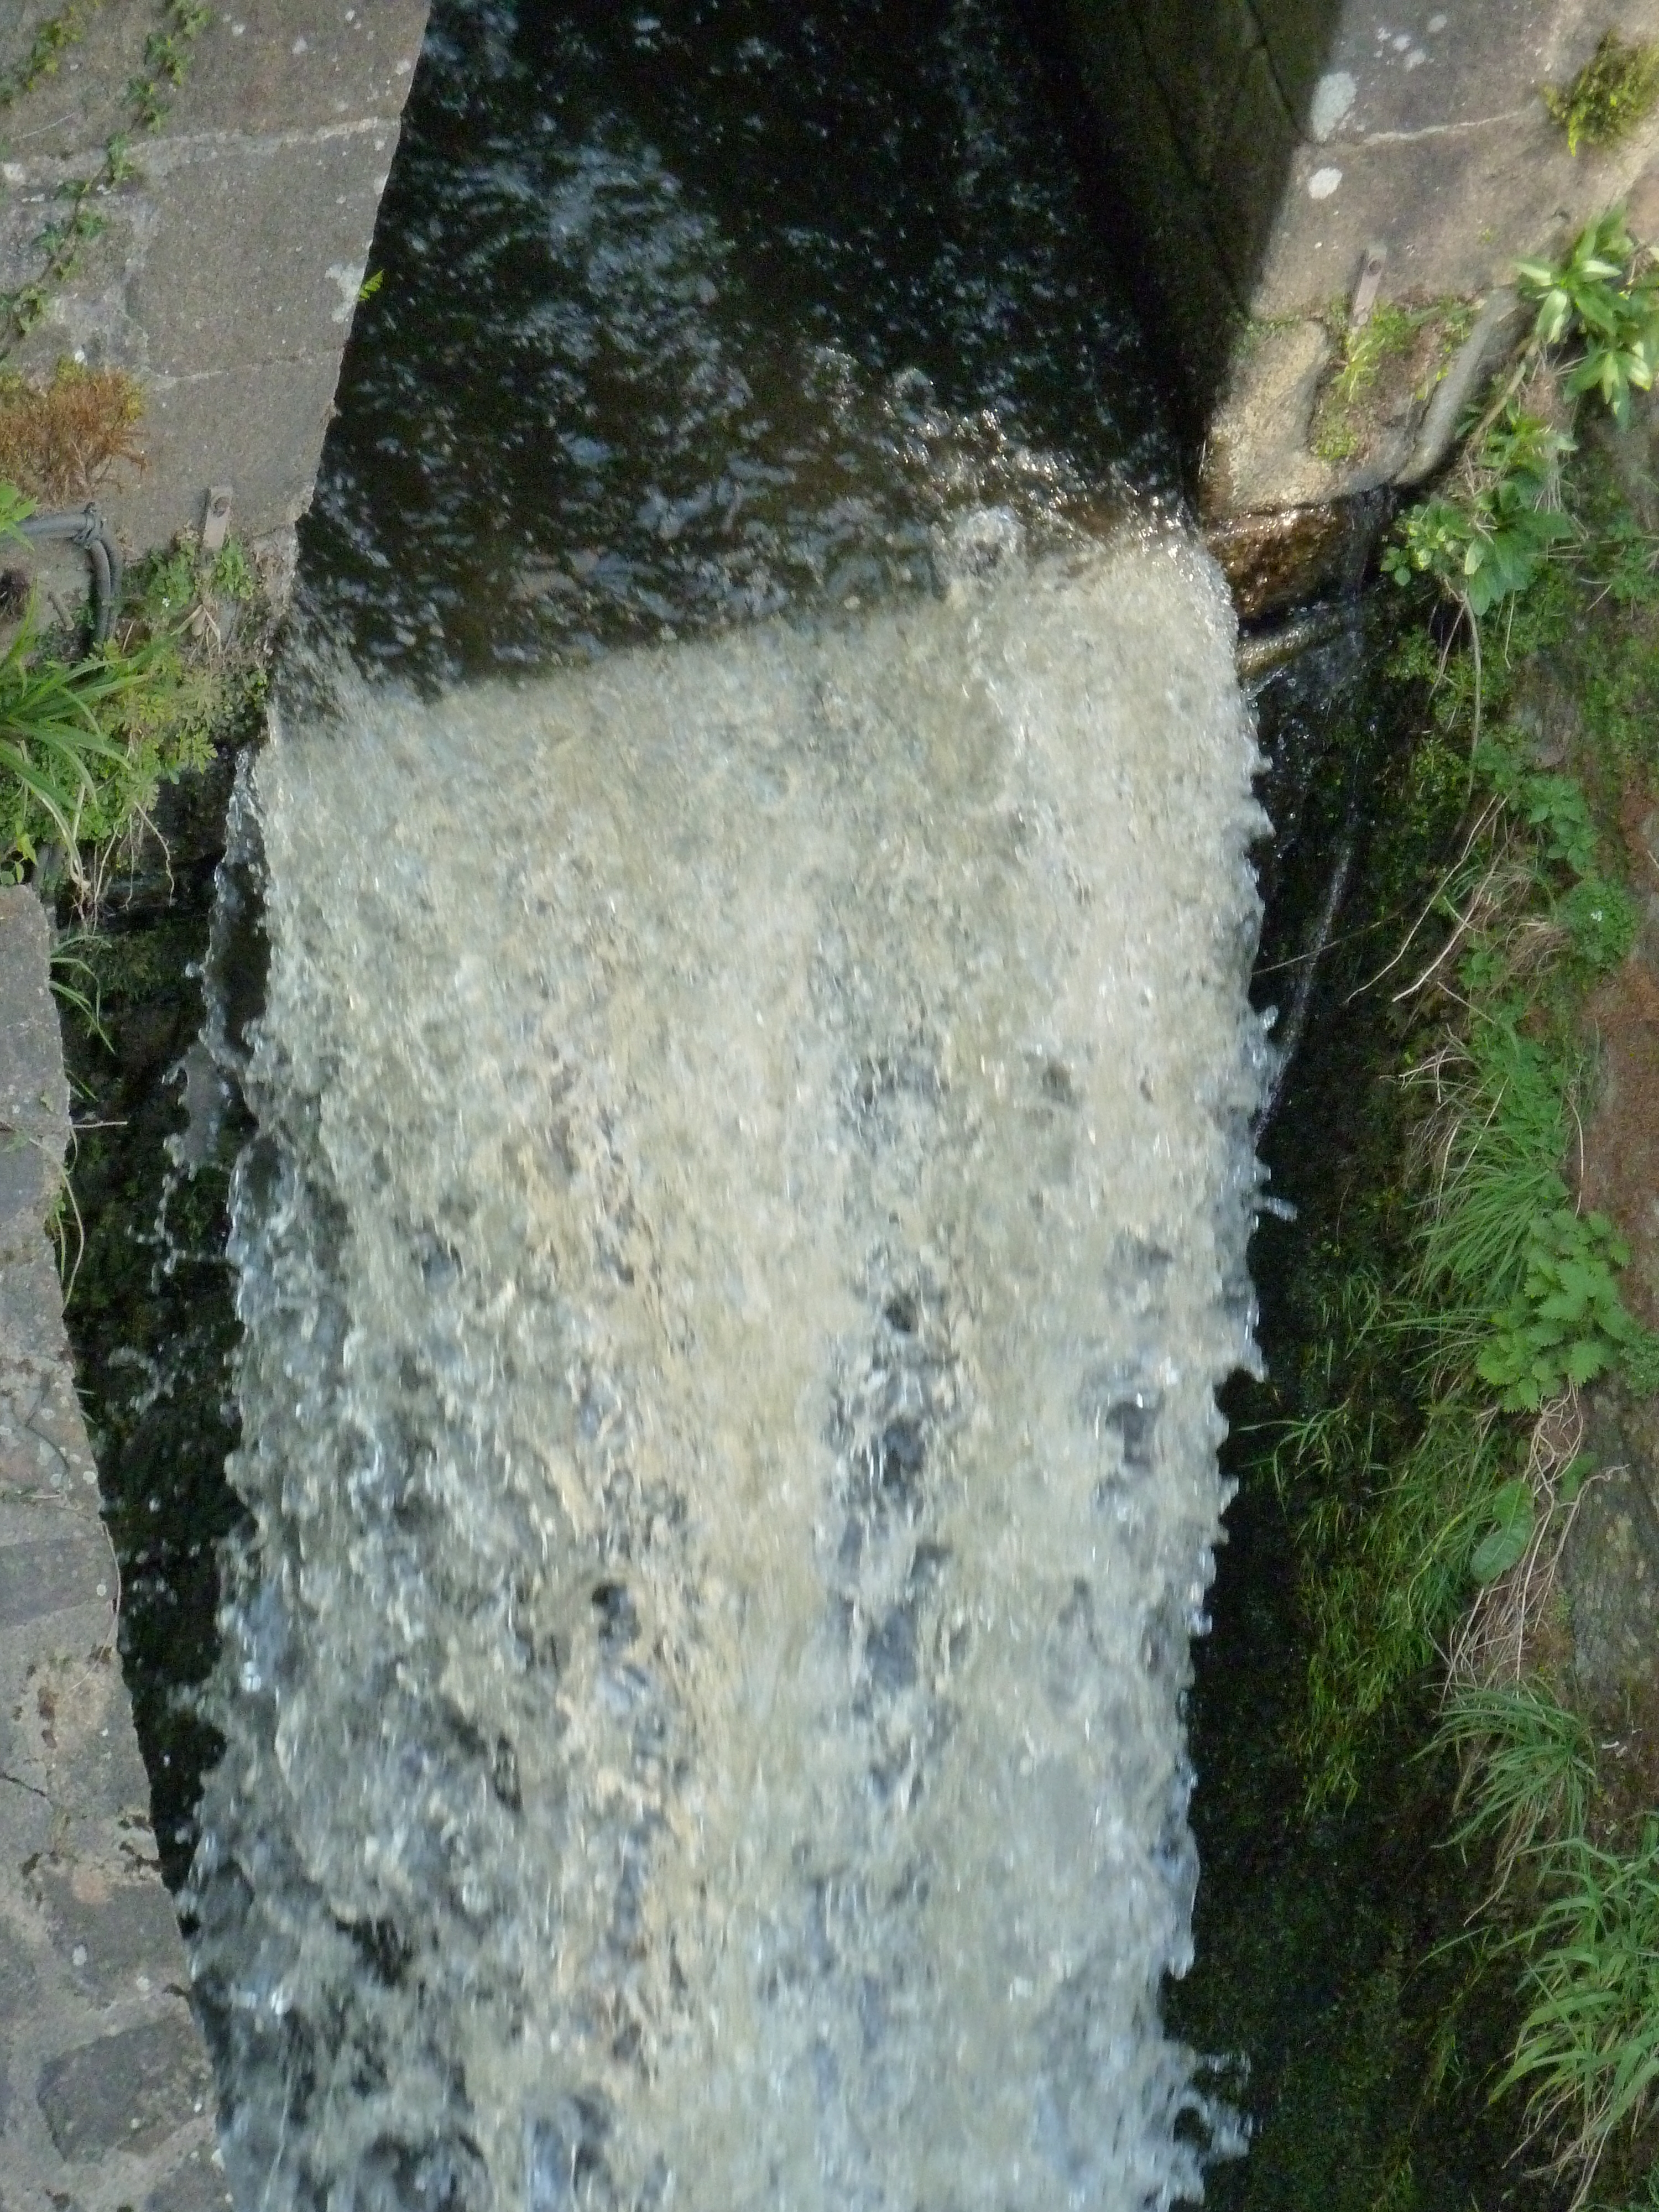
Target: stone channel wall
{"type": "Point", "coordinates": [106, 2096]}
{"type": "Point", "coordinates": [224, 276]}
{"type": "Point", "coordinates": [1285, 166]}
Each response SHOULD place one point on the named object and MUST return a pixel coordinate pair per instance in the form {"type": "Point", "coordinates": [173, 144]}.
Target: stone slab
{"type": "Point", "coordinates": [123, 2090]}
{"type": "Point", "coordinates": [298, 208]}
{"type": "Point", "coordinates": [1198, 50]}
{"type": "Point", "coordinates": [34, 1093]}
{"type": "Point", "coordinates": [265, 67]}
{"type": "Point", "coordinates": [258, 427]}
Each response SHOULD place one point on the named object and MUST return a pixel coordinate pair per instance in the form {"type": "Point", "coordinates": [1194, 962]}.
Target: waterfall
{"type": "Point", "coordinates": [747, 1222]}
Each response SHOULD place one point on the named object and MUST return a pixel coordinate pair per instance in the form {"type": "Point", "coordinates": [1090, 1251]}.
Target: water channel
{"type": "Point", "coordinates": [748, 1208]}
{"type": "Point", "coordinates": [728, 1035]}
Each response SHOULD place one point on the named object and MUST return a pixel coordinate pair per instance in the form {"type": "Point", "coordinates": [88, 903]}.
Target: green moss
{"type": "Point", "coordinates": [1609, 96]}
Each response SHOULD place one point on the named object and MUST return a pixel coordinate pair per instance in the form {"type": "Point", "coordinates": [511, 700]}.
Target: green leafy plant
{"type": "Point", "coordinates": [1609, 96]}
{"type": "Point", "coordinates": [1566, 1324]}
{"type": "Point", "coordinates": [1510, 1531]}
{"type": "Point", "coordinates": [1606, 295]}
{"type": "Point", "coordinates": [85, 744]}
{"type": "Point", "coordinates": [1491, 543]}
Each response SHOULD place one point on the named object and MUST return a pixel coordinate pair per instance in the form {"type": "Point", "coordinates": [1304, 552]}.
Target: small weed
{"type": "Point", "coordinates": [1421, 338]}
{"type": "Point", "coordinates": [52, 40]}
{"type": "Point", "coordinates": [60, 440]}
{"type": "Point", "coordinates": [1609, 96]}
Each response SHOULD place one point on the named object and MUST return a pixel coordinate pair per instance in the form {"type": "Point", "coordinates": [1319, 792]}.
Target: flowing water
{"type": "Point", "coordinates": [746, 1224]}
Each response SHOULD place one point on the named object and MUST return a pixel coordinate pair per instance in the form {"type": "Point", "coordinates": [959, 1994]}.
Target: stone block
{"type": "Point", "coordinates": [52, 1574]}
{"type": "Point", "coordinates": [129, 2091]}
{"type": "Point", "coordinates": [265, 67]}
{"type": "Point", "coordinates": [1478, 65]}
{"type": "Point", "coordinates": [198, 2184]}
{"type": "Point", "coordinates": [258, 428]}
{"type": "Point", "coordinates": [1165, 225]}
{"type": "Point", "coordinates": [1611, 1576]}
{"type": "Point", "coordinates": [70, 1723]}
{"type": "Point", "coordinates": [274, 275]}
{"type": "Point", "coordinates": [1301, 37]}
{"type": "Point", "coordinates": [19, 1986]}
{"type": "Point", "coordinates": [33, 1092]}
{"type": "Point", "coordinates": [1451, 209]}
{"type": "Point", "coordinates": [31, 1313]}
{"type": "Point", "coordinates": [238, 247]}
{"type": "Point", "coordinates": [1197, 51]}
{"type": "Point", "coordinates": [118, 1935]}
{"type": "Point", "coordinates": [1252, 161]}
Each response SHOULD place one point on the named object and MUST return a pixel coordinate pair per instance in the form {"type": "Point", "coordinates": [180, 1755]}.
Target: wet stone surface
{"type": "Point", "coordinates": [105, 2098]}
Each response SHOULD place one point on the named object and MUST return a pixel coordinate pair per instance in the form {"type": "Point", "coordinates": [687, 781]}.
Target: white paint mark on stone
{"type": "Point", "coordinates": [1436, 23]}
{"type": "Point", "coordinates": [1402, 41]}
{"type": "Point", "coordinates": [1334, 95]}
{"type": "Point", "coordinates": [1416, 58]}
{"type": "Point", "coordinates": [298, 47]}
{"type": "Point", "coordinates": [1323, 183]}
{"type": "Point", "coordinates": [348, 276]}
{"type": "Point", "coordinates": [103, 1590]}
{"type": "Point", "coordinates": [78, 1955]}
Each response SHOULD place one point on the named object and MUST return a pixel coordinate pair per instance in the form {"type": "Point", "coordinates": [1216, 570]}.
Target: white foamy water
{"type": "Point", "coordinates": [748, 1222]}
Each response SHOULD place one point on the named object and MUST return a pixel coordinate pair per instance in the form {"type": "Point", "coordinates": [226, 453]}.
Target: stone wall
{"type": "Point", "coordinates": [105, 2094]}
{"type": "Point", "coordinates": [223, 276]}
{"type": "Point", "coordinates": [1270, 152]}
{"type": "Point", "coordinates": [228, 269]}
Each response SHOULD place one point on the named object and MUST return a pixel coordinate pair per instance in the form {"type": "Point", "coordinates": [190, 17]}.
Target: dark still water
{"type": "Point", "coordinates": [702, 312]}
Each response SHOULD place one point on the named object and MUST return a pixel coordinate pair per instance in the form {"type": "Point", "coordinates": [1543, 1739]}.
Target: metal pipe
{"type": "Point", "coordinates": [85, 527]}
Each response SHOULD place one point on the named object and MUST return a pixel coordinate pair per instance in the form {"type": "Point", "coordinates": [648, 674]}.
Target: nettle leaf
{"type": "Point", "coordinates": [1509, 1533]}
{"type": "Point", "coordinates": [1586, 1360]}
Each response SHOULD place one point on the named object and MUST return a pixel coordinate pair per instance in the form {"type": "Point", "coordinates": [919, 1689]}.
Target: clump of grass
{"type": "Point", "coordinates": [86, 743]}
{"type": "Point", "coordinates": [60, 440]}
{"type": "Point", "coordinates": [1609, 96]}
{"type": "Point", "coordinates": [1529, 1769]}
{"type": "Point", "coordinates": [1586, 2056]}
{"type": "Point", "coordinates": [1493, 1143]}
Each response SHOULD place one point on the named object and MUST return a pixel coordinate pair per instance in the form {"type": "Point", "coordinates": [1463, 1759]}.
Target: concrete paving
{"type": "Point", "coordinates": [106, 2094]}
